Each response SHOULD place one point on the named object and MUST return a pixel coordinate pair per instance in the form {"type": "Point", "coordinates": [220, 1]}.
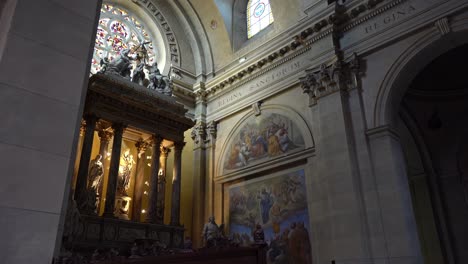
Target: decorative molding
{"type": "Point", "coordinates": [443, 26]}
{"type": "Point", "coordinates": [173, 46]}
{"type": "Point", "coordinates": [371, 4]}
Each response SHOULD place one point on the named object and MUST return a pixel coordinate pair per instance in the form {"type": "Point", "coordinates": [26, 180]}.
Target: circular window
{"type": "Point", "coordinates": [259, 9]}
{"type": "Point", "coordinates": [118, 30]}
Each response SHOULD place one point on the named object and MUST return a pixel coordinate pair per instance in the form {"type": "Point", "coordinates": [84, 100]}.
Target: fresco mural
{"type": "Point", "coordinates": [262, 137]}
{"type": "Point", "coordinates": [279, 205]}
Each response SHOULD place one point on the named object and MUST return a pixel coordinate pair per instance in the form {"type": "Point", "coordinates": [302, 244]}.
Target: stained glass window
{"type": "Point", "coordinates": [259, 16]}
{"type": "Point", "coordinates": [117, 30]}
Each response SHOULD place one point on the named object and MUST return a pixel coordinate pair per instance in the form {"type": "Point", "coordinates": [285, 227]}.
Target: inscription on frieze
{"type": "Point", "coordinates": [390, 18]}
{"type": "Point", "coordinates": [256, 85]}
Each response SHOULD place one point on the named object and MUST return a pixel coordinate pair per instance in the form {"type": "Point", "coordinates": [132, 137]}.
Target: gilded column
{"type": "Point", "coordinates": [78, 153]}
{"type": "Point", "coordinates": [175, 206]}
{"type": "Point", "coordinates": [113, 170]}
{"type": "Point", "coordinates": [82, 177]}
{"type": "Point", "coordinates": [153, 193]}
{"type": "Point", "coordinates": [139, 179]}
{"type": "Point", "coordinates": [162, 184]}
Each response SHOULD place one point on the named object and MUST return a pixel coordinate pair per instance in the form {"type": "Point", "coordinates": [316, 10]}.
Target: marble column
{"type": "Point", "coordinates": [82, 177]}
{"type": "Point", "coordinates": [113, 170]}
{"type": "Point", "coordinates": [162, 184]}
{"type": "Point", "coordinates": [153, 193]}
{"type": "Point", "coordinates": [105, 136]}
{"type": "Point", "coordinates": [139, 179]}
{"type": "Point", "coordinates": [175, 206]}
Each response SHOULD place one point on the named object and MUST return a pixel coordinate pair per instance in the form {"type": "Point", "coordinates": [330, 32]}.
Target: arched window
{"type": "Point", "coordinates": [117, 30]}
{"type": "Point", "coordinates": [259, 16]}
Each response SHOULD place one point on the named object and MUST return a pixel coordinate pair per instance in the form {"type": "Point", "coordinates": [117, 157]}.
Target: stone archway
{"type": "Point", "coordinates": [432, 110]}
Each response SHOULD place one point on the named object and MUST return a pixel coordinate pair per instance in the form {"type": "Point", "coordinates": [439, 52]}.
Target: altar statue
{"type": "Point", "coordinates": [121, 65]}
{"type": "Point", "coordinates": [125, 169]}
{"type": "Point", "coordinates": [95, 173]}
{"type": "Point", "coordinates": [211, 233]}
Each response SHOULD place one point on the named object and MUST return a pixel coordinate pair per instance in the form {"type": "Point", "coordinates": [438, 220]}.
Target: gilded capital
{"type": "Point", "coordinates": [105, 135]}
{"type": "Point", "coordinates": [165, 151]}
{"type": "Point", "coordinates": [82, 127]}
{"type": "Point", "coordinates": [141, 146]}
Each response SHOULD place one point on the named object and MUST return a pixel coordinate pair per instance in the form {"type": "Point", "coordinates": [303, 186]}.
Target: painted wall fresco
{"type": "Point", "coordinates": [260, 138]}
{"type": "Point", "coordinates": [279, 205]}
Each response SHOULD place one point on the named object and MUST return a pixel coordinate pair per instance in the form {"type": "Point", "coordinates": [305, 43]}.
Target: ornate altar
{"type": "Point", "coordinates": [107, 209]}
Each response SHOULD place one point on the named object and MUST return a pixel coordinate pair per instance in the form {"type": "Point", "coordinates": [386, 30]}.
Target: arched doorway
{"type": "Point", "coordinates": [432, 124]}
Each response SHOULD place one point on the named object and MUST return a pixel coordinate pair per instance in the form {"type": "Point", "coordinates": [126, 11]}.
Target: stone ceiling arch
{"type": "Point", "coordinates": [411, 62]}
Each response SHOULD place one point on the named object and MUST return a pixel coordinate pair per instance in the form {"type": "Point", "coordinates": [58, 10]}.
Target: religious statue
{"type": "Point", "coordinates": [155, 77]}
{"type": "Point", "coordinates": [121, 65]}
{"type": "Point", "coordinates": [211, 233]}
{"type": "Point", "coordinates": [95, 174]}
{"type": "Point", "coordinates": [138, 75]}
{"type": "Point", "coordinates": [125, 169]}
{"type": "Point", "coordinates": [159, 82]}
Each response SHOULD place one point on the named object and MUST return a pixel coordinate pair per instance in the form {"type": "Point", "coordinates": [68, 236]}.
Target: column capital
{"type": "Point", "coordinates": [82, 127]}
{"type": "Point", "coordinates": [165, 151]}
{"type": "Point", "coordinates": [142, 145]}
{"type": "Point", "coordinates": [198, 133]}
{"type": "Point", "coordinates": [212, 128]}
{"type": "Point", "coordinates": [339, 75]}
{"type": "Point", "coordinates": [105, 135]}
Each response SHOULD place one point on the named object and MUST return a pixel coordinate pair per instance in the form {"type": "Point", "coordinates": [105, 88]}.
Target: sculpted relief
{"type": "Point", "coordinates": [261, 138]}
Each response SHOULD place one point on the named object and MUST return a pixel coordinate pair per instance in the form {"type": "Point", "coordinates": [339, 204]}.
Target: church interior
{"type": "Point", "coordinates": [228, 131]}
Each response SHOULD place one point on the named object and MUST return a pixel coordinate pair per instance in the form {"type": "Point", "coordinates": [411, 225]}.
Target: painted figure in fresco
{"type": "Point", "coordinates": [266, 202]}
{"type": "Point", "coordinates": [244, 154]}
{"type": "Point", "coordinates": [211, 232]}
{"type": "Point", "coordinates": [283, 138]}
{"type": "Point", "coordinates": [274, 147]}
{"type": "Point", "coordinates": [95, 173]}
{"type": "Point", "coordinates": [258, 235]}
